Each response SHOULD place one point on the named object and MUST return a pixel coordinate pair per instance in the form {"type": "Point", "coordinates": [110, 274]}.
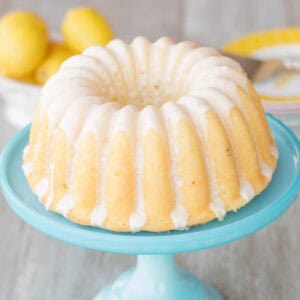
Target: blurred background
{"type": "Point", "coordinates": [262, 266]}
{"type": "Point", "coordinates": [210, 22]}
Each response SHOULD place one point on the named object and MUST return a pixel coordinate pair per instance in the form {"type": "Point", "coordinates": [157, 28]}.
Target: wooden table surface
{"type": "Point", "coordinates": [264, 266]}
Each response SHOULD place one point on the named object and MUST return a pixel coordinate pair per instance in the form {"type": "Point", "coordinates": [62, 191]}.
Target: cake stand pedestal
{"type": "Point", "coordinates": [156, 275]}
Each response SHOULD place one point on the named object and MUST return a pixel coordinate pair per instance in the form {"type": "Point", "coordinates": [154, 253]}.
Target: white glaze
{"type": "Point", "coordinates": [68, 87]}
{"type": "Point", "coordinates": [172, 116]}
{"type": "Point", "coordinates": [125, 122]}
{"type": "Point", "coordinates": [138, 218]}
{"type": "Point", "coordinates": [223, 72]}
{"type": "Point", "coordinates": [150, 120]}
{"type": "Point", "coordinates": [72, 128]}
{"type": "Point", "coordinates": [25, 151]}
{"type": "Point", "coordinates": [105, 57]}
{"type": "Point", "coordinates": [98, 123]}
{"type": "Point", "coordinates": [158, 55]}
{"type": "Point", "coordinates": [141, 52]}
{"type": "Point", "coordinates": [65, 205]}
{"type": "Point", "coordinates": [266, 170]}
{"type": "Point", "coordinates": [214, 98]}
{"type": "Point", "coordinates": [41, 188]}
{"type": "Point", "coordinates": [274, 151]}
{"type": "Point", "coordinates": [246, 190]}
{"type": "Point", "coordinates": [217, 206]}
{"type": "Point", "coordinates": [51, 187]}
{"type": "Point", "coordinates": [27, 168]}
{"type": "Point", "coordinates": [99, 213]}
{"type": "Point", "coordinates": [73, 119]}
{"type": "Point", "coordinates": [123, 55]}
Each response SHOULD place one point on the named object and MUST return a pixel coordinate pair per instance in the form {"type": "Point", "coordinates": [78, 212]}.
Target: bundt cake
{"type": "Point", "coordinates": [148, 136]}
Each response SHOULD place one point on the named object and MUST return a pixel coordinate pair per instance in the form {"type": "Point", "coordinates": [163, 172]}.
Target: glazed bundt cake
{"type": "Point", "coordinates": [148, 136]}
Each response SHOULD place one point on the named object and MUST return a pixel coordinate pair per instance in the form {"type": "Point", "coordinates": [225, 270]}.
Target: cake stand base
{"type": "Point", "coordinates": [157, 277]}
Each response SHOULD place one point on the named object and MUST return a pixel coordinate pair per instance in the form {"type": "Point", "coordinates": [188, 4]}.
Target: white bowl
{"type": "Point", "coordinates": [19, 100]}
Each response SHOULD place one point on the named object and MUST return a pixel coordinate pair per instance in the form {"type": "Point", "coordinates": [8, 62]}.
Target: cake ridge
{"type": "Point", "coordinates": [201, 107]}
{"type": "Point", "coordinates": [123, 57]}
{"type": "Point", "coordinates": [100, 207]}
{"type": "Point", "coordinates": [72, 128]}
{"type": "Point", "coordinates": [138, 217]}
{"type": "Point", "coordinates": [172, 114]}
{"type": "Point", "coordinates": [108, 59]}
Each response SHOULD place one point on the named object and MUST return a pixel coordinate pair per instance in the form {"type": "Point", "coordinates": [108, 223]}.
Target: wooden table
{"type": "Point", "coordinates": [264, 266]}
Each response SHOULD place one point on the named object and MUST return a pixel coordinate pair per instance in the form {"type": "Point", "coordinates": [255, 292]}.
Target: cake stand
{"type": "Point", "coordinates": [156, 275]}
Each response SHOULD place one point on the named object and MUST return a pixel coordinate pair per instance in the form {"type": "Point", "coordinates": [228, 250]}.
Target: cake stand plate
{"type": "Point", "coordinates": [156, 275]}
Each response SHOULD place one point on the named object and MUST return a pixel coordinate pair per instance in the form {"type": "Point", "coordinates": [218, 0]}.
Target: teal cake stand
{"type": "Point", "coordinates": [156, 275]}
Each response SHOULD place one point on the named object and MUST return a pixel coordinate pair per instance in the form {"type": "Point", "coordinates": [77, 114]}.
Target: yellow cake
{"type": "Point", "coordinates": [148, 136]}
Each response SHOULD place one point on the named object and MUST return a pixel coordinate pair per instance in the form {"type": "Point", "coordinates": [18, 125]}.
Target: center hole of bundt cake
{"type": "Point", "coordinates": [154, 94]}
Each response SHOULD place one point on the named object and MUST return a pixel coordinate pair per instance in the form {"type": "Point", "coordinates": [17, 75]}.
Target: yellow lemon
{"type": "Point", "coordinates": [28, 79]}
{"type": "Point", "coordinates": [23, 43]}
{"type": "Point", "coordinates": [83, 27]}
{"type": "Point", "coordinates": [57, 55]}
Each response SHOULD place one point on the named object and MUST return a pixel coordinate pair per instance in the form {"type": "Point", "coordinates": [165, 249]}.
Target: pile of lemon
{"type": "Point", "coordinates": [27, 54]}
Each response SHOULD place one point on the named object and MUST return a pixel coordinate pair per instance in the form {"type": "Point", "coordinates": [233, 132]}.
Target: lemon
{"type": "Point", "coordinates": [23, 43]}
{"type": "Point", "coordinates": [28, 79]}
{"type": "Point", "coordinates": [83, 27]}
{"type": "Point", "coordinates": [57, 55]}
